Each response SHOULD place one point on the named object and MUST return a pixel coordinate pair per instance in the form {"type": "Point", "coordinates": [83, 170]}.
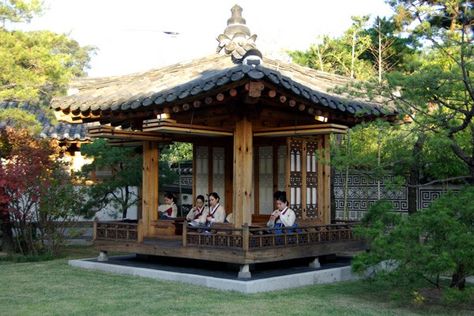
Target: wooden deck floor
{"type": "Point", "coordinates": [246, 245]}
{"type": "Point", "coordinates": [175, 248]}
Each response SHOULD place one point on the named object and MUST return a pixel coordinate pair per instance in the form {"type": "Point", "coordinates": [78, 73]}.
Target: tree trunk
{"type": "Point", "coordinates": [379, 57]}
{"type": "Point", "coordinates": [414, 176]}
{"type": "Point", "coordinates": [459, 279]}
{"type": "Point", "coordinates": [125, 204]}
{"type": "Point", "coordinates": [6, 229]}
{"type": "Point", "coordinates": [379, 162]}
{"type": "Point", "coordinates": [321, 66]}
{"type": "Point", "coordinates": [354, 36]}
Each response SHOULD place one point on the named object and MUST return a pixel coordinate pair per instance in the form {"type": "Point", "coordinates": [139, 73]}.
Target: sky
{"type": "Point", "coordinates": [130, 35]}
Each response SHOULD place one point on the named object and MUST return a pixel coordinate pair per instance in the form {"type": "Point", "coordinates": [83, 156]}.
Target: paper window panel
{"type": "Point", "coordinates": [265, 179]}
{"type": "Point", "coordinates": [218, 172]}
{"type": "Point", "coordinates": [201, 166]}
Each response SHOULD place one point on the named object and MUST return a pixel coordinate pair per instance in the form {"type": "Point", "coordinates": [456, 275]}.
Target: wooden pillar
{"type": "Point", "coordinates": [140, 231]}
{"type": "Point", "coordinates": [149, 186]}
{"type": "Point", "coordinates": [228, 178]}
{"type": "Point", "coordinates": [185, 233]}
{"type": "Point", "coordinates": [94, 230]}
{"type": "Point", "coordinates": [243, 173]}
{"type": "Point", "coordinates": [324, 179]}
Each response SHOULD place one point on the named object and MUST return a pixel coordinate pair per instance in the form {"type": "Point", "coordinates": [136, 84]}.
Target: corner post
{"type": "Point", "coordinates": [185, 233]}
{"type": "Point", "coordinates": [243, 172]}
{"type": "Point", "coordinates": [245, 237]}
{"type": "Point", "coordinates": [150, 186]}
{"type": "Point", "coordinates": [94, 230]}
{"type": "Point", "coordinates": [140, 231]}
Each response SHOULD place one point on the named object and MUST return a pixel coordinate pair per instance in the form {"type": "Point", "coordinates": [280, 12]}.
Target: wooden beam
{"type": "Point", "coordinates": [243, 172]}
{"type": "Point", "coordinates": [110, 132]}
{"type": "Point", "coordinates": [171, 127]}
{"type": "Point", "coordinates": [286, 131]}
{"type": "Point", "coordinates": [150, 186]}
{"type": "Point", "coordinates": [124, 143]}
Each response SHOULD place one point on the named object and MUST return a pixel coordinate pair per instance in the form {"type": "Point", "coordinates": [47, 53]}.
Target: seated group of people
{"type": "Point", "coordinates": [199, 214]}
{"type": "Point", "coordinates": [202, 215]}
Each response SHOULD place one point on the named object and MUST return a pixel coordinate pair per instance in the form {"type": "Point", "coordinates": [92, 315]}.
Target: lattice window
{"type": "Point", "coordinates": [311, 179]}
{"type": "Point", "coordinates": [218, 172]}
{"type": "Point", "coordinates": [202, 166]}
{"type": "Point", "coordinates": [282, 154]}
{"type": "Point", "coordinates": [265, 179]}
{"type": "Point", "coordinates": [303, 176]}
{"type": "Point", "coordinates": [295, 148]}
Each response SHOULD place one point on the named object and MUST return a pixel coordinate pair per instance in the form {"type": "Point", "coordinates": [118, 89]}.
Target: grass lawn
{"type": "Point", "coordinates": [54, 288]}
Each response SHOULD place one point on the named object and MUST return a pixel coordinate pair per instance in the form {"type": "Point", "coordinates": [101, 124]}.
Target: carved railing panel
{"type": "Point", "coordinates": [116, 231]}
{"type": "Point", "coordinates": [262, 238]}
{"type": "Point", "coordinates": [301, 236]}
{"type": "Point", "coordinates": [215, 238]}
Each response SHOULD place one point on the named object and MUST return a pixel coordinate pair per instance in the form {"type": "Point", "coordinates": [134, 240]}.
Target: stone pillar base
{"type": "Point", "coordinates": [103, 256]}
{"type": "Point", "coordinates": [315, 264]}
{"type": "Point", "coordinates": [244, 272]}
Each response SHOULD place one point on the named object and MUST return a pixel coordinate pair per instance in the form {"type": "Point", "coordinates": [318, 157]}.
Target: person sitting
{"type": "Point", "coordinates": [230, 218]}
{"type": "Point", "coordinates": [169, 209]}
{"type": "Point", "coordinates": [198, 214]}
{"type": "Point", "coordinates": [216, 212]}
{"type": "Point", "coordinates": [283, 216]}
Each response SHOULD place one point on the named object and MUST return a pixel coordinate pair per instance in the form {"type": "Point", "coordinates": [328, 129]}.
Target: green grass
{"type": "Point", "coordinates": [54, 288]}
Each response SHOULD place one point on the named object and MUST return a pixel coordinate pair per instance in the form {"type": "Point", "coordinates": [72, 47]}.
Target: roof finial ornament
{"type": "Point", "coordinates": [236, 39]}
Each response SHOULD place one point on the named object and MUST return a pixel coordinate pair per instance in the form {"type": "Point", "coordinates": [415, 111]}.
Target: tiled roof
{"type": "Point", "coordinates": [180, 81]}
{"type": "Point", "coordinates": [60, 131]}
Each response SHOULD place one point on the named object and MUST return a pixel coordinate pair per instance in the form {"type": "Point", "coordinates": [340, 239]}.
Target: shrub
{"type": "Point", "coordinates": [37, 198]}
{"type": "Point", "coordinates": [427, 245]}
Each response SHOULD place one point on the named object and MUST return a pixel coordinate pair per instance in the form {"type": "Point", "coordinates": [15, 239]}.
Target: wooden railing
{"type": "Point", "coordinates": [246, 238]}
{"type": "Point", "coordinates": [213, 237]}
{"type": "Point", "coordinates": [116, 231]}
{"type": "Point", "coordinates": [300, 236]}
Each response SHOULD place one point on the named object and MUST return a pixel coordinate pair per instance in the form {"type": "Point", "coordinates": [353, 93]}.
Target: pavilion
{"type": "Point", "coordinates": [257, 125]}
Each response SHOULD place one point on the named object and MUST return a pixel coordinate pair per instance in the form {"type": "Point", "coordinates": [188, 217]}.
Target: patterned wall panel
{"type": "Point", "coordinates": [295, 153]}
{"type": "Point", "coordinates": [311, 179]}
{"type": "Point", "coordinates": [362, 193]}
